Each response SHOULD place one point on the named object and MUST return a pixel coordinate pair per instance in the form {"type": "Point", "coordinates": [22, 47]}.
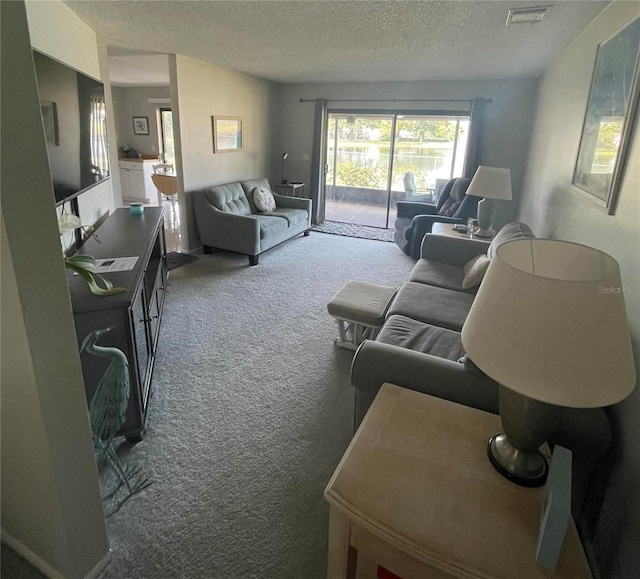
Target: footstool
{"type": "Point", "coordinates": [359, 308]}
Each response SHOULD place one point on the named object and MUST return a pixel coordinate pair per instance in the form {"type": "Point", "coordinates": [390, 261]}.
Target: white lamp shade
{"type": "Point", "coordinates": [549, 322]}
{"type": "Point", "coordinates": [491, 183]}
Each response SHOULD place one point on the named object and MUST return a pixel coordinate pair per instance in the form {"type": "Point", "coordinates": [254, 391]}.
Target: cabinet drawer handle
{"type": "Point", "coordinates": [149, 319]}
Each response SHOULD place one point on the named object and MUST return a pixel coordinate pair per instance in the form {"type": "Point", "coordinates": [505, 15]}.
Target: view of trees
{"type": "Point", "coordinates": [423, 146]}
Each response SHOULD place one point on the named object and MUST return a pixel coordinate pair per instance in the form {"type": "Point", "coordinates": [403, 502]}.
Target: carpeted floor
{"type": "Point", "coordinates": [176, 259]}
{"type": "Point", "coordinates": [354, 230]}
{"type": "Point", "coordinates": [251, 413]}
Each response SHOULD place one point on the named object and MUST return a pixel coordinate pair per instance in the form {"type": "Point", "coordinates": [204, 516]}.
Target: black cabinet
{"type": "Point", "coordinates": [134, 315]}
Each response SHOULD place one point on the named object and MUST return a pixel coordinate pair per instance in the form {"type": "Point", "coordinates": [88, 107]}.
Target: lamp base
{"type": "Point", "coordinates": [528, 469]}
{"type": "Point", "coordinates": [483, 233]}
{"type": "Point", "coordinates": [284, 182]}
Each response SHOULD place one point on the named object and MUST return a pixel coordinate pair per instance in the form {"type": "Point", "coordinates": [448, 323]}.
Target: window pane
{"type": "Point", "coordinates": [167, 136]}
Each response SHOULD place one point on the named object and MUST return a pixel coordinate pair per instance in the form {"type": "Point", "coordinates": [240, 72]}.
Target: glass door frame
{"type": "Point", "coordinates": [394, 114]}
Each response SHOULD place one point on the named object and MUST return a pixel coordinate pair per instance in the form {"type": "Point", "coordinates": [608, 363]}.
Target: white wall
{"type": "Point", "coordinates": [554, 209]}
{"type": "Point", "coordinates": [507, 120]}
{"type": "Point", "coordinates": [51, 505]}
{"type": "Point", "coordinates": [129, 102]}
{"type": "Point", "coordinates": [200, 91]}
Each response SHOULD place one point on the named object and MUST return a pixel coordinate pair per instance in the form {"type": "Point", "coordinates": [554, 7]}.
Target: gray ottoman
{"type": "Point", "coordinates": [360, 309]}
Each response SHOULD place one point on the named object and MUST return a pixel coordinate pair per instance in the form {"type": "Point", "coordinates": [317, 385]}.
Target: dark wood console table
{"type": "Point", "coordinates": [135, 314]}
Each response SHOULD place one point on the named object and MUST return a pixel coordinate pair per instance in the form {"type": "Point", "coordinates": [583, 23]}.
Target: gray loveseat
{"type": "Point", "coordinates": [227, 218]}
{"type": "Point", "coordinates": [420, 344]}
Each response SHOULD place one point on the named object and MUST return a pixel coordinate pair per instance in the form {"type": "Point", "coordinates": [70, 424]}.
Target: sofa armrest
{"type": "Point", "coordinates": [224, 230]}
{"type": "Point", "coordinates": [421, 225]}
{"type": "Point", "coordinates": [451, 250]}
{"type": "Point", "coordinates": [293, 202]}
{"type": "Point", "coordinates": [376, 363]}
{"type": "Point", "coordinates": [585, 431]}
{"type": "Point", "coordinates": [411, 209]}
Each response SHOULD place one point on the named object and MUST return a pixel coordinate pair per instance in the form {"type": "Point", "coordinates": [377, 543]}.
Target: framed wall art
{"type": "Point", "coordinates": [227, 134]}
{"type": "Point", "coordinates": [608, 122]}
{"type": "Point", "coordinates": [140, 125]}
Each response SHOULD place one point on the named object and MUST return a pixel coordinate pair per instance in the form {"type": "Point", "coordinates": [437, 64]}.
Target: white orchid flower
{"type": "Point", "coordinates": [68, 223]}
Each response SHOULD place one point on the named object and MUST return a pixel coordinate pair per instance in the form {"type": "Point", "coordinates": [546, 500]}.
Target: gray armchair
{"type": "Point", "coordinates": [415, 220]}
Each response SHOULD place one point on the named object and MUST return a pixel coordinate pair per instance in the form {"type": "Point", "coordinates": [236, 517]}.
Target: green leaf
{"type": "Point", "coordinates": [81, 260]}
{"type": "Point", "coordinates": [78, 264]}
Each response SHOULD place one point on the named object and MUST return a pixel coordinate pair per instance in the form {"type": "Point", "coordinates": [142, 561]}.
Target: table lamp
{"type": "Point", "coordinates": [490, 183]}
{"type": "Point", "coordinates": [549, 325]}
{"type": "Point", "coordinates": [284, 158]}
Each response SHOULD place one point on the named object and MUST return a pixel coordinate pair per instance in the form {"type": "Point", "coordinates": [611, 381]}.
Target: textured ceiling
{"type": "Point", "coordinates": [345, 40]}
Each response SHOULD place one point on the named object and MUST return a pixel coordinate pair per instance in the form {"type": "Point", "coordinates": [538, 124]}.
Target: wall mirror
{"type": "Point", "coordinates": [227, 134]}
{"type": "Point", "coordinates": [612, 104]}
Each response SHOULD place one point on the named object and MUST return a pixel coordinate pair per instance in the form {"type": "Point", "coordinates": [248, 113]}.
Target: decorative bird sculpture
{"type": "Point", "coordinates": [108, 408]}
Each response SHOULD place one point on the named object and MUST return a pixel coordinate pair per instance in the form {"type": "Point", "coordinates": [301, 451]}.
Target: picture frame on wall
{"type": "Point", "coordinates": [608, 122]}
{"type": "Point", "coordinates": [140, 125]}
{"type": "Point", "coordinates": [227, 134]}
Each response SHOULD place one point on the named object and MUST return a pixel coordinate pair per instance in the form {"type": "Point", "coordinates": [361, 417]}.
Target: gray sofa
{"type": "Point", "coordinates": [227, 218]}
{"type": "Point", "coordinates": [420, 344]}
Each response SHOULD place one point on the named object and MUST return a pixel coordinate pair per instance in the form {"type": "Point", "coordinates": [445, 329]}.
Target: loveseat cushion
{"type": "Point", "coordinates": [269, 224]}
{"type": "Point", "coordinates": [413, 335]}
{"type": "Point", "coordinates": [510, 232]}
{"type": "Point", "coordinates": [293, 216]}
{"type": "Point", "coordinates": [432, 305]}
{"type": "Point", "coordinates": [229, 198]}
{"type": "Point", "coordinates": [445, 275]}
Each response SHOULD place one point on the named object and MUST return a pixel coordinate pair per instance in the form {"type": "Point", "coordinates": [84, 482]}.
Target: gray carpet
{"type": "Point", "coordinates": [176, 259]}
{"type": "Point", "coordinates": [355, 230]}
{"type": "Point", "coordinates": [252, 410]}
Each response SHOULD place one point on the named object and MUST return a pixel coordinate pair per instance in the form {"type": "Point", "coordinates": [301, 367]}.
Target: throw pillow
{"type": "Point", "coordinates": [264, 199]}
{"type": "Point", "coordinates": [474, 271]}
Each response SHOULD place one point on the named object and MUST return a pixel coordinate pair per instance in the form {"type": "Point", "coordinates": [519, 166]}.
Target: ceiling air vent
{"type": "Point", "coordinates": [527, 15]}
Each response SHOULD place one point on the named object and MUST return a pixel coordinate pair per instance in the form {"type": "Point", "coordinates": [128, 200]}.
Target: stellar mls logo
{"type": "Point", "coordinates": [625, 289]}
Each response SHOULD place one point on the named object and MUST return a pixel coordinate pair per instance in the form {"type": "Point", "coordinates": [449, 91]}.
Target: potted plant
{"type": "Point", "coordinates": [84, 265]}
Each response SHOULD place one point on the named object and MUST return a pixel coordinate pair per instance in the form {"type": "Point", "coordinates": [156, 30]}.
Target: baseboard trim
{"type": "Point", "coordinates": [44, 567]}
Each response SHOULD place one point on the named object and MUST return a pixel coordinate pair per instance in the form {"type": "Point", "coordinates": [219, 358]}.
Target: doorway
{"type": "Point", "coordinates": [375, 159]}
{"type": "Point", "coordinates": [168, 156]}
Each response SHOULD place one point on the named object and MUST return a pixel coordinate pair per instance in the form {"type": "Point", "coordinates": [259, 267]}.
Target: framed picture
{"type": "Point", "coordinates": [50, 120]}
{"type": "Point", "coordinates": [141, 125]}
{"type": "Point", "coordinates": [556, 510]}
{"type": "Point", "coordinates": [227, 134]}
{"type": "Point", "coordinates": [608, 122]}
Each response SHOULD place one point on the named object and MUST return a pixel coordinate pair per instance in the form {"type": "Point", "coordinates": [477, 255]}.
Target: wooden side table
{"type": "Point", "coordinates": [447, 230]}
{"type": "Point", "coordinates": [416, 493]}
{"type": "Point", "coordinates": [290, 189]}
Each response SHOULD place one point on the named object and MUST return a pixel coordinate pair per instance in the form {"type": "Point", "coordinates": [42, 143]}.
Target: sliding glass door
{"type": "Point", "coordinates": [377, 159]}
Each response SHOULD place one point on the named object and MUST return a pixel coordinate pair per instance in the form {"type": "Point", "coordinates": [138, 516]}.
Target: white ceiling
{"type": "Point", "coordinates": [337, 40]}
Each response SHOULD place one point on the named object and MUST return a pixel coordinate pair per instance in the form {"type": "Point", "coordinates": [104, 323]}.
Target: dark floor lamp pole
{"type": "Point", "coordinates": [284, 157]}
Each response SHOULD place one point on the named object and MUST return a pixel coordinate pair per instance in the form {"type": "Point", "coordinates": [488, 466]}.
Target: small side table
{"type": "Point", "coordinates": [290, 189]}
{"type": "Point", "coordinates": [416, 494]}
{"type": "Point", "coordinates": [447, 230]}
